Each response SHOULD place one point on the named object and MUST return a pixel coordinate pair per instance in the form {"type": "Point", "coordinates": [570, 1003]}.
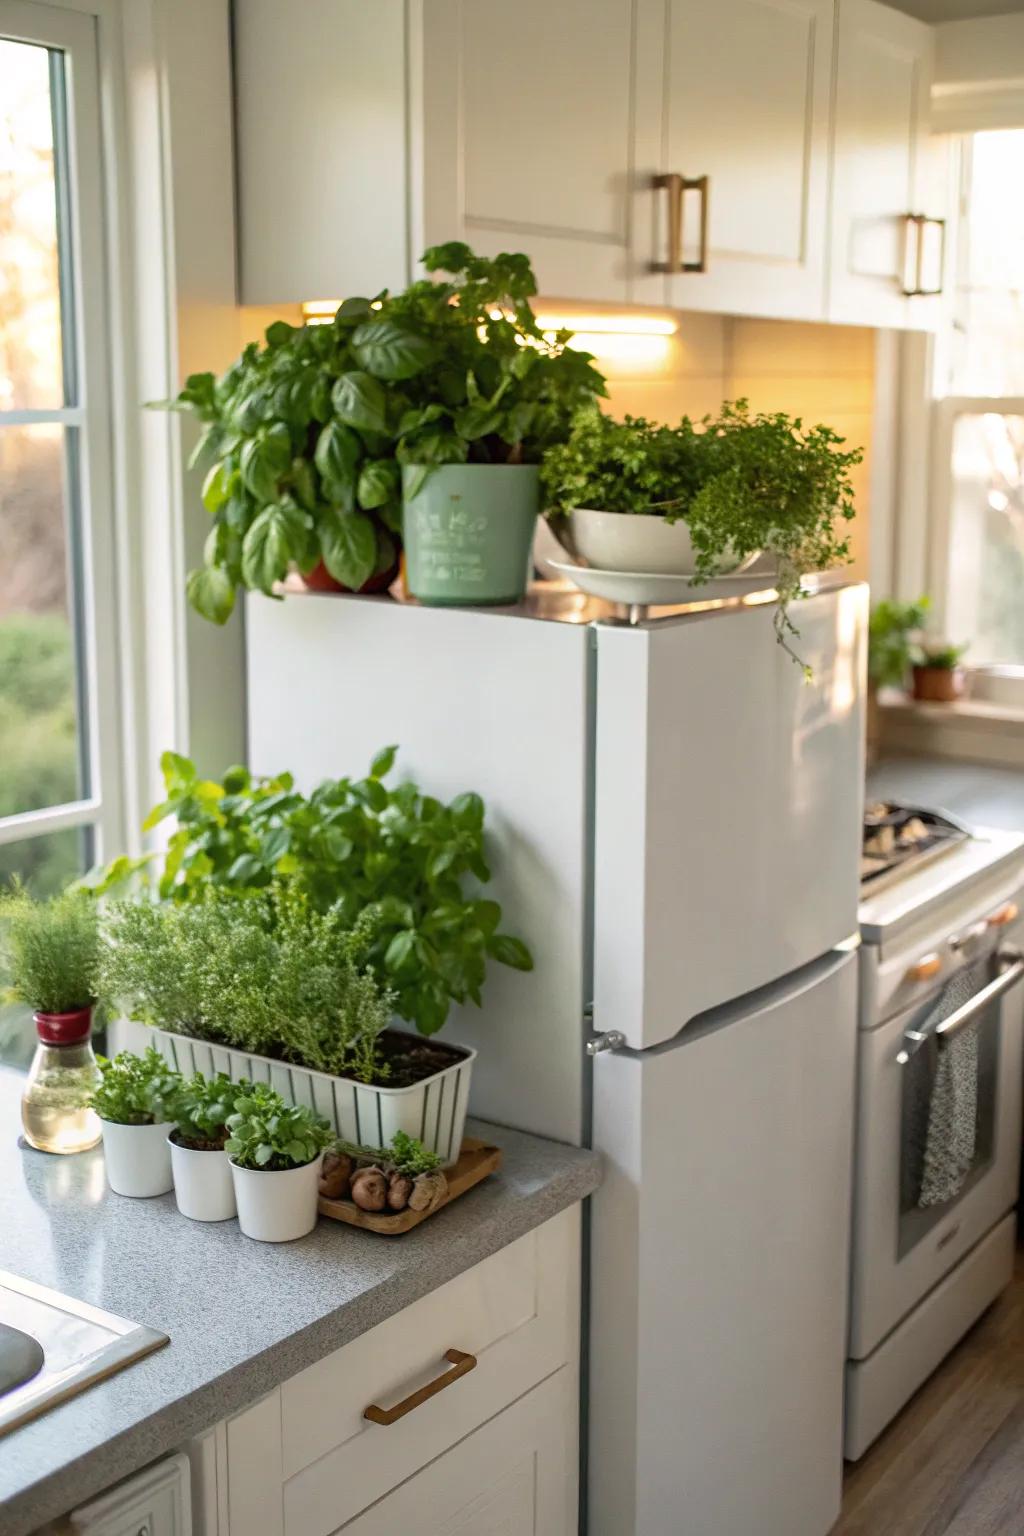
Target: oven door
{"type": "Point", "coordinates": [907, 1234]}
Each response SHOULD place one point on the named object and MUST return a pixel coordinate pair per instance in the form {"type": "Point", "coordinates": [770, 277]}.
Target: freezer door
{"type": "Point", "coordinates": [719, 1270]}
{"type": "Point", "coordinates": [728, 797]}
{"type": "Point", "coordinates": [479, 700]}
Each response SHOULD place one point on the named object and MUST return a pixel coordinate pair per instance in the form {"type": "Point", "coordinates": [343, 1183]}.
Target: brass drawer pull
{"type": "Point", "coordinates": [1007, 914]}
{"type": "Point", "coordinates": [462, 1364]}
{"type": "Point", "coordinates": [677, 186]}
{"type": "Point", "coordinates": [926, 967]}
{"type": "Point", "coordinates": [915, 226]}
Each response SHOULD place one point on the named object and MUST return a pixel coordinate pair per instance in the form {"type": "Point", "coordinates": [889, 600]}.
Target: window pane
{"type": "Point", "coordinates": [47, 863]}
{"type": "Point", "coordinates": [986, 605]}
{"type": "Point", "coordinates": [39, 692]}
{"type": "Point", "coordinates": [31, 372]}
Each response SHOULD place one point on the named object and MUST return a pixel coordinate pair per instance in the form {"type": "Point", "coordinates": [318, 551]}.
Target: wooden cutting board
{"type": "Point", "coordinates": [476, 1160]}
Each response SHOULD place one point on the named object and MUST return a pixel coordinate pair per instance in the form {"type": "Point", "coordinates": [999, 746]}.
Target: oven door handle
{"type": "Point", "coordinates": [1011, 970]}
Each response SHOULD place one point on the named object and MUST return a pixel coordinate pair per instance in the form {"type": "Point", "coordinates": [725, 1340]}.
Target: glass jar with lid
{"type": "Point", "coordinates": [54, 1106]}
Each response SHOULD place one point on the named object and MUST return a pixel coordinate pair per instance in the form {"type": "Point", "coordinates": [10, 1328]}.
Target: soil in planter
{"type": "Point", "coordinates": [408, 1060]}
{"type": "Point", "coordinates": [197, 1146]}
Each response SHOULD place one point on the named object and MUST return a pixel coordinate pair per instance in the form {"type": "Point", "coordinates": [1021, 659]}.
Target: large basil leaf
{"type": "Point", "coordinates": [277, 536]}
{"type": "Point", "coordinates": [264, 460]}
{"type": "Point", "coordinates": [215, 486]}
{"type": "Point", "coordinates": [475, 421]}
{"type": "Point", "coordinates": [211, 592]}
{"type": "Point", "coordinates": [338, 450]}
{"type": "Point", "coordinates": [348, 543]}
{"type": "Point", "coordinates": [360, 401]}
{"type": "Point", "coordinates": [392, 351]}
{"type": "Point", "coordinates": [379, 483]}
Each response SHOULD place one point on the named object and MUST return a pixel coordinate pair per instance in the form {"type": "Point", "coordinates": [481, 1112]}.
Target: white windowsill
{"type": "Point", "coordinates": [970, 730]}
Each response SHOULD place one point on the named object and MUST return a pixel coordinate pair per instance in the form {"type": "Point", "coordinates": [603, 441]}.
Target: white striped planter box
{"type": "Point", "coordinates": [433, 1110]}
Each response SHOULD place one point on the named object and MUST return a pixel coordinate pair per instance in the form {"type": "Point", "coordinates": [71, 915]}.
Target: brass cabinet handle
{"type": "Point", "coordinates": [677, 186]}
{"type": "Point", "coordinates": [927, 966]}
{"type": "Point", "coordinates": [915, 225]}
{"type": "Point", "coordinates": [462, 1364]}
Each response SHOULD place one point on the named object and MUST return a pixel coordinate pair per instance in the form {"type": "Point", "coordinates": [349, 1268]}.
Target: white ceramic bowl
{"type": "Point", "coordinates": [635, 541]}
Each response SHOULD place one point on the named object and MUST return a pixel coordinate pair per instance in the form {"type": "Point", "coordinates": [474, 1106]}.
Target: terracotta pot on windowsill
{"type": "Point", "coordinates": [938, 685]}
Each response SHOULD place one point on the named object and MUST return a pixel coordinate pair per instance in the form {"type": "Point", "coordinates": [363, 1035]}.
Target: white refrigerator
{"type": "Point", "coordinates": [676, 822]}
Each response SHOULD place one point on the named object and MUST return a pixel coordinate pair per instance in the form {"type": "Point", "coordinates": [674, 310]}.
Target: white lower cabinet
{"type": "Point", "coordinates": [516, 1476]}
{"type": "Point", "coordinates": [474, 1391]}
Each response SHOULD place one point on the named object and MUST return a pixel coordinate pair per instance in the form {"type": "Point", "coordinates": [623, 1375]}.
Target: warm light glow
{"type": "Point", "coordinates": [323, 311]}
{"type": "Point", "coordinates": [635, 348]}
{"type": "Point", "coordinates": [624, 324]}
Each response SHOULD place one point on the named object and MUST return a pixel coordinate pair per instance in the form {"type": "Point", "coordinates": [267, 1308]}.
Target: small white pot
{"type": "Point", "coordinates": [640, 542]}
{"type": "Point", "coordinates": [138, 1158]}
{"type": "Point", "coordinates": [203, 1186]}
{"type": "Point", "coordinates": [277, 1207]}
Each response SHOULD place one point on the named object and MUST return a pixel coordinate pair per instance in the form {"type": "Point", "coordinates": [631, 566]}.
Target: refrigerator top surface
{"type": "Point", "coordinates": [559, 602]}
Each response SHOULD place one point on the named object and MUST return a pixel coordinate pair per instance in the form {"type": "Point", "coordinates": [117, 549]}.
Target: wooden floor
{"type": "Point", "coordinates": [952, 1464]}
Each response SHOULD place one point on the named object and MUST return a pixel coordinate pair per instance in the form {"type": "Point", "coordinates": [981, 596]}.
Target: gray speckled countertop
{"type": "Point", "coordinates": [979, 795]}
{"type": "Point", "coordinates": [242, 1316]}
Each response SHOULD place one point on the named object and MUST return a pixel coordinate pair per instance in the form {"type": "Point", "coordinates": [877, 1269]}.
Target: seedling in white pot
{"type": "Point", "coordinates": [136, 1102]}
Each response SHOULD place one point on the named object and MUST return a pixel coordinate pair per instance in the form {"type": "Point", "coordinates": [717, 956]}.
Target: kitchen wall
{"type": "Point", "coordinates": [825, 373]}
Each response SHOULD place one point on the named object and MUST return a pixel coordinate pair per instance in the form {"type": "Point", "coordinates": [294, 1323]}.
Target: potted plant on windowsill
{"type": "Point", "coordinates": [202, 1179]}
{"type": "Point", "coordinates": [50, 953]}
{"type": "Point", "coordinates": [475, 393]}
{"type": "Point", "coordinates": [704, 499]}
{"type": "Point", "coordinates": [938, 675]}
{"type": "Point", "coordinates": [136, 1101]}
{"type": "Point", "coordinates": [275, 1151]}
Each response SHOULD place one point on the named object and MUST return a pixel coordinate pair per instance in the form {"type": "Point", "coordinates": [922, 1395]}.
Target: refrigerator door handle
{"type": "Point", "coordinates": [613, 1040]}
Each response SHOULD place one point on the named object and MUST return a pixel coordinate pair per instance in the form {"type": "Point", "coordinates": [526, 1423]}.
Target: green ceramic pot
{"type": "Point", "coordinates": [468, 532]}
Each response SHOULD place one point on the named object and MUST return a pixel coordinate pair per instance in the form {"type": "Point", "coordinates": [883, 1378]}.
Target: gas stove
{"type": "Point", "coordinates": [901, 839]}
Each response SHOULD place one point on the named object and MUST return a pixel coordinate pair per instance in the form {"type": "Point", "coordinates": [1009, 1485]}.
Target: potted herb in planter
{"type": "Point", "coordinates": [275, 1150]}
{"type": "Point", "coordinates": [136, 1101]}
{"type": "Point", "coordinates": [938, 675]}
{"type": "Point", "coordinates": [892, 630]}
{"type": "Point", "coordinates": [743, 485]}
{"type": "Point", "coordinates": [289, 482]}
{"type": "Point", "coordinates": [202, 1178]}
{"type": "Point", "coordinates": [267, 988]}
{"type": "Point", "coordinates": [51, 950]}
{"type": "Point", "coordinates": [475, 393]}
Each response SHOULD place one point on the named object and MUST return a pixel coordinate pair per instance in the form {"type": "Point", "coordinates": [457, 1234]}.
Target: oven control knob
{"type": "Point", "coordinates": [925, 968]}
{"type": "Point", "coordinates": [1006, 914]}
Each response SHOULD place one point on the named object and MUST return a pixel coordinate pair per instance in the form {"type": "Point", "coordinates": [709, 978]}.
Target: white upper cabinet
{"type": "Point", "coordinates": [745, 123]}
{"type": "Point", "coordinates": [888, 235]}
{"type": "Point", "coordinates": [750, 157]}
{"type": "Point", "coordinates": [527, 135]}
{"type": "Point", "coordinates": [321, 148]}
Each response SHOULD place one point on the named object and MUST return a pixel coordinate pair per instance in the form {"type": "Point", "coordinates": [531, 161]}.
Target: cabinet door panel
{"type": "Point", "coordinates": [537, 104]}
{"type": "Point", "coordinates": [880, 136]}
{"type": "Point", "coordinates": [747, 106]}
{"type": "Point", "coordinates": [515, 1476]}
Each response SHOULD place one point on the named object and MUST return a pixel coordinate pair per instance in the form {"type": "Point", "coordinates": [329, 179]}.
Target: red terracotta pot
{"type": "Point", "coordinates": [938, 685]}
{"type": "Point", "coordinates": [64, 1028]}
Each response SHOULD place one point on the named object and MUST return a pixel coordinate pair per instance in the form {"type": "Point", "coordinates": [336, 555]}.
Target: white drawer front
{"type": "Point", "coordinates": [516, 1476]}
{"type": "Point", "coordinates": [517, 1313]}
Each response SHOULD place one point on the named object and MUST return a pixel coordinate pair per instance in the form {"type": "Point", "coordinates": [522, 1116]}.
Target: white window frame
{"type": "Point", "coordinates": [74, 33]}
{"type": "Point", "coordinates": [945, 414]}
